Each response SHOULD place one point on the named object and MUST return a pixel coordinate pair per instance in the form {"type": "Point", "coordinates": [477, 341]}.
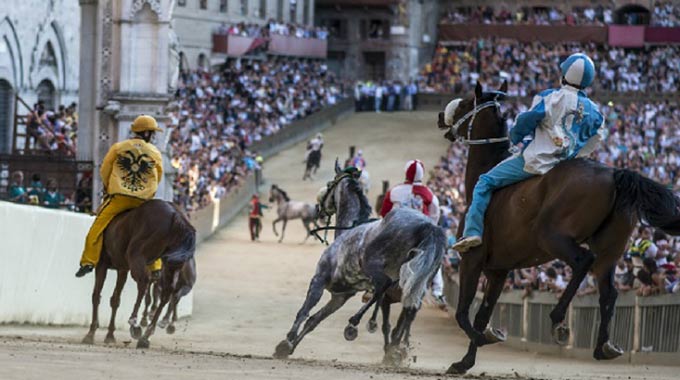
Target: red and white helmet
{"type": "Point", "coordinates": [414, 171]}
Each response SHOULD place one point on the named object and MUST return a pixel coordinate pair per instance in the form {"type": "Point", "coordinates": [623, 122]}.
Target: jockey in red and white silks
{"type": "Point", "coordinates": [412, 193]}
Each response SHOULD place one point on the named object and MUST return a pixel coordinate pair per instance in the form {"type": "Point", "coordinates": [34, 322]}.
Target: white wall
{"type": "Point", "coordinates": [39, 255]}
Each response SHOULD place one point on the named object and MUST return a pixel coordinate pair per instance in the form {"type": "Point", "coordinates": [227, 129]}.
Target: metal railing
{"type": "Point", "coordinates": [640, 324]}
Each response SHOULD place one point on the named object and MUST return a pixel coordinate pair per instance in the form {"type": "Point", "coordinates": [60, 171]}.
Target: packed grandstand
{"type": "Point", "coordinates": [222, 112]}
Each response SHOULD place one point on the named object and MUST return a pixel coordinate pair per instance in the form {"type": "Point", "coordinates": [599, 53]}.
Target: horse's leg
{"type": "Point", "coordinates": [605, 350]}
{"type": "Point", "coordinates": [147, 304]}
{"type": "Point", "coordinates": [395, 354]}
{"type": "Point", "coordinates": [381, 282]}
{"type": "Point", "coordinates": [385, 308]}
{"type": "Point", "coordinates": [580, 260]}
{"type": "Point", "coordinates": [100, 277]}
{"type": "Point", "coordinates": [166, 291]}
{"type": "Point", "coordinates": [470, 271]}
{"type": "Point", "coordinates": [115, 303]}
{"type": "Point", "coordinates": [274, 225]}
{"type": "Point", "coordinates": [142, 287]}
{"type": "Point", "coordinates": [165, 321]}
{"type": "Point", "coordinates": [305, 223]}
{"type": "Point", "coordinates": [314, 293]}
{"type": "Point", "coordinates": [283, 229]}
{"type": "Point", "coordinates": [372, 325]}
{"type": "Point", "coordinates": [496, 281]}
{"type": "Point", "coordinates": [171, 327]}
{"type": "Point", "coordinates": [335, 303]}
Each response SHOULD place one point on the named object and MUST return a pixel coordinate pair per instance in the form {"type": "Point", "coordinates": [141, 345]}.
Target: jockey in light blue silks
{"type": "Point", "coordinates": [564, 124]}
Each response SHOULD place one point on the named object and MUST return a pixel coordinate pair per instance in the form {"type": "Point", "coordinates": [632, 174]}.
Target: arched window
{"type": "Point", "coordinates": [632, 14]}
{"type": "Point", "coordinates": [46, 94]}
{"type": "Point", "coordinates": [6, 105]}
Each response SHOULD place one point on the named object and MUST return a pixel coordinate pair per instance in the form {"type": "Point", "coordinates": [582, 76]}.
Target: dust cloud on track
{"type": "Point", "coordinates": [248, 293]}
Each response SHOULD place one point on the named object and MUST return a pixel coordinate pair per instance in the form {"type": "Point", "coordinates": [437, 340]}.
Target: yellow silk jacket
{"type": "Point", "coordinates": [132, 167]}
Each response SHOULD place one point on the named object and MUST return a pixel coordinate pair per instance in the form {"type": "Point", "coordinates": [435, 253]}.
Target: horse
{"type": "Point", "coordinates": [404, 248]}
{"type": "Point", "coordinates": [287, 210]}
{"type": "Point", "coordinates": [185, 283]}
{"type": "Point", "coordinates": [313, 163]}
{"type": "Point", "coordinates": [580, 212]}
{"type": "Point", "coordinates": [134, 239]}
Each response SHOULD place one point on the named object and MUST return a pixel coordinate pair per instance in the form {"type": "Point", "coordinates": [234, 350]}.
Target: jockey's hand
{"type": "Point", "coordinates": [516, 149]}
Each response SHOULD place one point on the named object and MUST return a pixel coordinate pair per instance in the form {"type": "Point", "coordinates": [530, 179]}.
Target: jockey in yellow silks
{"type": "Point", "coordinates": [130, 173]}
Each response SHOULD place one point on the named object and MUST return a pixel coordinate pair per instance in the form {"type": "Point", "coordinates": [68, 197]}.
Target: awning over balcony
{"type": "Point", "coordinates": [236, 46]}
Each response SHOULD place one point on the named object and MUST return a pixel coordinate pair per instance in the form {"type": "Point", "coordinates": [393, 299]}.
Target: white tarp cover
{"type": "Point", "coordinates": [39, 255]}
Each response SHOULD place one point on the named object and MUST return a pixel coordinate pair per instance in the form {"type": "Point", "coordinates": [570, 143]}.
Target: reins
{"type": "Point", "coordinates": [356, 224]}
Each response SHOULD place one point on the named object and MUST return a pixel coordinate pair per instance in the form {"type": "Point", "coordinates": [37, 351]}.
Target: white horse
{"type": "Point", "coordinates": [287, 209]}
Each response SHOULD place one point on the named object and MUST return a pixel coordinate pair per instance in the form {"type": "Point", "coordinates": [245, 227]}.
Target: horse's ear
{"type": "Point", "coordinates": [504, 86]}
{"type": "Point", "coordinates": [338, 170]}
{"type": "Point", "coordinates": [478, 90]}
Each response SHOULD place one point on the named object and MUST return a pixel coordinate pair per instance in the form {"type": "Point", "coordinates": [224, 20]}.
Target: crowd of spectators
{"type": "Point", "coordinates": [220, 114]}
{"type": "Point", "coordinates": [533, 16]}
{"type": "Point", "coordinates": [530, 68]}
{"type": "Point", "coordinates": [273, 27]}
{"type": "Point", "coordinates": [664, 13]}
{"type": "Point", "coordinates": [48, 194]}
{"type": "Point", "coordinates": [52, 131]}
{"type": "Point", "coordinates": [643, 137]}
{"type": "Point", "coordinates": [385, 96]}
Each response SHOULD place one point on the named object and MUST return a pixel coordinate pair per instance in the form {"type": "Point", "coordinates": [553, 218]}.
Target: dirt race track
{"type": "Point", "coordinates": [248, 293]}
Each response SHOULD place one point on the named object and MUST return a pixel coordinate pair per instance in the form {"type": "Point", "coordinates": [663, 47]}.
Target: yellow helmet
{"type": "Point", "coordinates": [145, 123]}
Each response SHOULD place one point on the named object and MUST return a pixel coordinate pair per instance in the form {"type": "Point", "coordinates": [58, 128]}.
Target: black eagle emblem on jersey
{"type": "Point", "coordinates": [136, 170]}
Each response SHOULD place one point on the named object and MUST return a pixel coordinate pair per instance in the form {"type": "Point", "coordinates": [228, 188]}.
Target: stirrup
{"type": "Point", "coordinates": [464, 244]}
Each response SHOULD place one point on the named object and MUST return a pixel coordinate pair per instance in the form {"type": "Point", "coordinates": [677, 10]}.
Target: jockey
{"type": "Point", "coordinates": [413, 194]}
{"type": "Point", "coordinates": [358, 160]}
{"type": "Point", "coordinates": [314, 144]}
{"type": "Point", "coordinates": [564, 124]}
{"type": "Point", "coordinates": [130, 173]}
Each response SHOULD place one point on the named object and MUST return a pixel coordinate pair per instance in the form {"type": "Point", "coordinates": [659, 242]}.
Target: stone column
{"type": "Point", "coordinates": [128, 75]}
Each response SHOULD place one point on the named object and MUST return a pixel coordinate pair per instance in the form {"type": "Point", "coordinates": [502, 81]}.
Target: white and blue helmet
{"type": "Point", "coordinates": [578, 70]}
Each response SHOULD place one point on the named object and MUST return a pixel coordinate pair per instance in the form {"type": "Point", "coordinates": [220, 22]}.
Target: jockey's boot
{"type": "Point", "coordinates": [464, 244]}
{"type": "Point", "coordinates": [84, 269]}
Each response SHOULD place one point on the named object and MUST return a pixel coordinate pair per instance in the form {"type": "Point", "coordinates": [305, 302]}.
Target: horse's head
{"type": "Point", "coordinates": [344, 196]}
{"type": "Point", "coordinates": [272, 193]}
{"type": "Point", "coordinates": [475, 117]}
{"type": "Point", "coordinates": [277, 194]}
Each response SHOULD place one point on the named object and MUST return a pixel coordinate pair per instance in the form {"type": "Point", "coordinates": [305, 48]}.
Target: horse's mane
{"type": "Point", "coordinates": [364, 205]}
{"type": "Point", "coordinates": [283, 193]}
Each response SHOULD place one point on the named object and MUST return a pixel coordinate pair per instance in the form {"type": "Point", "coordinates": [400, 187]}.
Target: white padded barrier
{"type": "Point", "coordinates": [39, 255]}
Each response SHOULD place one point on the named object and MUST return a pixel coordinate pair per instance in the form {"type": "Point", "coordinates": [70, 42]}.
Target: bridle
{"type": "Point", "coordinates": [470, 118]}
{"type": "Point", "coordinates": [321, 206]}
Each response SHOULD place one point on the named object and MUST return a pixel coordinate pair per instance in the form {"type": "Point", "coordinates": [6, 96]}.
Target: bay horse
{"type": "Point", "coordinates": [288, 209]}
{"type": "Point", "coordinates": [134, 239]}
{"type": "Point", "coordinates": [580, 212]}
{"type": "Point", "coordinates": [404, 248]}
{"type": "Point", "coordinates": [312, 164]}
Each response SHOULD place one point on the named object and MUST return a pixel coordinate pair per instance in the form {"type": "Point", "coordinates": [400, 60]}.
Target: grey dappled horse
{"type": "Point", "coordinates": [287, 209]}
{"type": "Point", "coordinates": [404, 247]}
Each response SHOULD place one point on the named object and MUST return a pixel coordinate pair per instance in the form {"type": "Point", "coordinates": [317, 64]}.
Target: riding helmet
{"type": "Point", "coordinates": [145, 123]}
{"type": "Point", "coordinates": [578, 70]}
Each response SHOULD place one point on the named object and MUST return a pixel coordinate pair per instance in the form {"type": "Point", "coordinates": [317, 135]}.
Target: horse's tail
{"type": "Point", "coordinates": [183, 244]}
{"type": "Point", "coordinates": [652, 202]}
{"type": "Point", "coordinates": [416, 273]}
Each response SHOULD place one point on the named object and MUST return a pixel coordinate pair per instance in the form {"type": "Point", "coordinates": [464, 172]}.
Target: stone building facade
{"type": "Point", "coordinates": [379, 39]}
{"type": "Point", "coordinates": [194, 21]}
{"type": "Point", "coordinates": [39, 56]}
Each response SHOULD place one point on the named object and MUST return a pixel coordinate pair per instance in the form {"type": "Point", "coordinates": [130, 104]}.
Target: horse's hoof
{"type": "Point", "coordinates": [395, 355]}
{"type": "Point", "coordinates": [163, 323]}
{"type": "Point", "coordinates": [135, 332]}
{"type": "Point", "coordinates": [351, 332]}
{"type": "Point", "coordinates": [372, 326]}
{"type": "Point", "coordinates": [283, 349]}
{"type": "Point", "coordinates": [608, 351]}
{"type": "Point", "coordinates": [88, 339]}
{"type": "Point", "coordinates": [560, 333]}
{"type": "Point", "coordinates": [109, 339]}
{"type": "Point", "coordinates": [457, 369]}
{"type": "Point", "coordinates": [144, 323]}
{"type": "Point", "coordinates": [493, 335]}
{"type": "Point", "coordinates": [170, 330]}
{"type": "Point", "coordinates": [143, 343]}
